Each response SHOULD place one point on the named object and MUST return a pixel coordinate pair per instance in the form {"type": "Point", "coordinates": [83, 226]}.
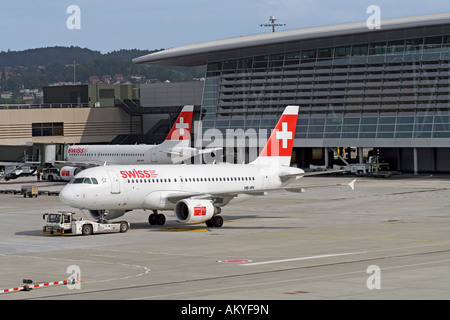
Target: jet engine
{"type": "Point", "coordinates": [68, 172]}
{"type": "Point", "coordinates": [106, 214]}
{"type": "Point", "coordinates": [195, 211]}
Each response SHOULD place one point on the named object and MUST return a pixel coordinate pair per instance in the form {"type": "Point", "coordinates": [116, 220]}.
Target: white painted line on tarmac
{"type": "Point", "coordinates": [301, 258]}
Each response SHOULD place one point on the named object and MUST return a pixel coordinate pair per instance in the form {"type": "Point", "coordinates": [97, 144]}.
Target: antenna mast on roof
{"type": "Point", "coordinates": [272, 23]}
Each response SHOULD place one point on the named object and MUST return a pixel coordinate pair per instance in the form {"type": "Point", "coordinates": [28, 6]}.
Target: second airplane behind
{"type": "Point", "coordinates": [176, 148]}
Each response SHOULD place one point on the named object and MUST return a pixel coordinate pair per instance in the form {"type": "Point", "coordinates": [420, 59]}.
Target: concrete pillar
{"type": "Point", "coordinates": [416, 161]}
{"type": "Point", "coordinates": [360, 155]}
{"type": "Point", "coordinates": [325, 157]}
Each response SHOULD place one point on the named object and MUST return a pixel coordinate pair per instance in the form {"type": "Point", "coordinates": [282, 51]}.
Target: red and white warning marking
{"type": "Point", "coordinates": [35, 286]}
{"type": "Point", "coordinates": [296, 292]}
{"type": "Point", "coordinates": [235, 261]}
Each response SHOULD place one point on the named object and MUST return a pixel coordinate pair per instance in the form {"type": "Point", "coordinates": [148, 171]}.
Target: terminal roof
{"type": "Point", "coordinates": [261, 44]}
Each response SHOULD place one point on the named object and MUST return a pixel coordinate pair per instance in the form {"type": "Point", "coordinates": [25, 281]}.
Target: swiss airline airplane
{"type": "Point", "coordinates": [195, 192]}
{"type": "Point", "coordinates": [173, 150]}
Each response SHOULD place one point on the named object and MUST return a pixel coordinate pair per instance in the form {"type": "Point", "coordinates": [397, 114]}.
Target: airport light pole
{"type": "Point", "coordinates": [272, 23]}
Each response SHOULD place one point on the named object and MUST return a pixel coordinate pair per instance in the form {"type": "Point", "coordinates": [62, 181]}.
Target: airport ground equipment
{"type": "Point", "coordinates": [51, 174]}
{"type": "Point", "coordinates": [65, 223]}
{"type": "Point", "coordinates": [373, 167]}
{"type": "Point", "coordinates": [29, 190]}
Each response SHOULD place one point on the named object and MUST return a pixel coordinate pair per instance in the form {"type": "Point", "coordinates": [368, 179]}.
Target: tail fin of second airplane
{"type": "Point", "coordinates": [181, 129]}
{"type": "Point", "coordinates": [278, 149]}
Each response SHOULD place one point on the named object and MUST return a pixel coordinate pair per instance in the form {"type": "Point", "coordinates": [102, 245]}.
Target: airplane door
{"type": "Point", "coordinates": [265, 180]}
{"type": "Point", "coordinates": [153, 154]}
{"type": "Point", "coordinates": [115, 184]}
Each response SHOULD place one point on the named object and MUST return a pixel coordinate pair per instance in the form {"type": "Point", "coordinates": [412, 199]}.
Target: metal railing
{"type": "Point", "coordinates": [44, 105]}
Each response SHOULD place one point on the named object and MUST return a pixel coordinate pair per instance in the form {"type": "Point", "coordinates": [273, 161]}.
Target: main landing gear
{"type": "Point", "coordinates": [159, 219]}
{"type": "Point", "coordinates": [156, 218]}
{"type": "Point", "coordinates": [215, 222]}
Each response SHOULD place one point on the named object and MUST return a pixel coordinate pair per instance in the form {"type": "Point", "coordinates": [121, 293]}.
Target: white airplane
{"type": "Point", "coordinates": [195, 192]}
{"type": "Point", "coordinates": [172, 150]}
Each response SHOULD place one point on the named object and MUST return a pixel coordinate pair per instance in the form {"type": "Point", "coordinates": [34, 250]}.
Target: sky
{"type": "Point", "coordinates": [108, 25]}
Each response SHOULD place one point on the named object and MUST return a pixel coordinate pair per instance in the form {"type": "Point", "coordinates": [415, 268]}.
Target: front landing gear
{"type": "Point", "coordinates": [156, 218]}
{"type": "Point", "coordinates": [215, 222]}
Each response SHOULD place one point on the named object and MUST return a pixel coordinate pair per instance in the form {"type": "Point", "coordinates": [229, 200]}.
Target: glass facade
{"type": "Point", "coordinates": [47, 129]}
{"type": "Point", "coordinates": [389, 88]}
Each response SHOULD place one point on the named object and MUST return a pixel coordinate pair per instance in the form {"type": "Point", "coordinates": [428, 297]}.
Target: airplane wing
{"type": "Point", "coordinates": [194, 151]}
{"type": "Point", "coordinates": [306, 174]}
{"type": "Point", "coordinates": [217, 197]}
{"type": "Point", "coordinates": [82, 165]}
{"type": "Point", "coordinates": [172, 153]}
{"type": "Point", "coordinates": [222, 197]}
{"type": "Point", "coordinates": [209, 150]}
{"type": "Point", "coordinates": [299, 188]}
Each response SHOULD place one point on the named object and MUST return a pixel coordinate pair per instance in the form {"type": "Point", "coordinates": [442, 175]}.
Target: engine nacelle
{"type": "Point", "coordinates": [195, 211]}
{"type": "Point", "coordinates": [107, 214]}
{"type": "Point", "coordinates": [68, 172]}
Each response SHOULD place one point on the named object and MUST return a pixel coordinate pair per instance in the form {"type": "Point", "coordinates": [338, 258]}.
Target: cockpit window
{"type": "Point", "coordinates": [84, 180]}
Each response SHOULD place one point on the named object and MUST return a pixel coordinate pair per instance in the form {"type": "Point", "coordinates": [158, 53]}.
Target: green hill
{"type": "Point", "coordinates": [62, 55]}
{"type": "Point", "coordinates": [36, 68]}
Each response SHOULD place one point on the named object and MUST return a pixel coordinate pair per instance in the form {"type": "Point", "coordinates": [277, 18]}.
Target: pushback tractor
{"type": "Point", "coordinates": [65, 223]}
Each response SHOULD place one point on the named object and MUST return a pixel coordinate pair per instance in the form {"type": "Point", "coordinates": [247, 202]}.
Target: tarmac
{"type": "Point", "coordinates": [389, 239]}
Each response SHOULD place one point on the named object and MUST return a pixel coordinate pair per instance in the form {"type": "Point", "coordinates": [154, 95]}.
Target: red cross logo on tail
{"type": "Point", "coordinates": [284, 135]}
{"type": "Point", "coordinates": [182, 125]}
{"type": "Point", "coordinates": [181, 130]}
{"type": "Point", "coordinates": [281, 140]}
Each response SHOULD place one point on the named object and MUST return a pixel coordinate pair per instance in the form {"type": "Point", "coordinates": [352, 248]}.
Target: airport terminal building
{"type": "Point", "coordinates": [386, 89]}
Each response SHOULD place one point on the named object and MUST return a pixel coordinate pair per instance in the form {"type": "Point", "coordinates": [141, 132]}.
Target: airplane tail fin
{"type": "Point", "coordinates": [278, 149]}
{"type": "Point", "coordinates": [181, 129]}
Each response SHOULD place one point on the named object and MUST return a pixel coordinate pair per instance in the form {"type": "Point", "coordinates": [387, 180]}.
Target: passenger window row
{"type": "Point", "coordinates": [216, 179]}
{"type": "Point", "coordinates": [109, 154]}
{"type": "Point", "coordinates": [122, 154]}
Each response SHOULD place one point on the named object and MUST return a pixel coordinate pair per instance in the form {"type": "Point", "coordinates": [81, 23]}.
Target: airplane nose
{"type": "Point", "coordinates": [66, 196]}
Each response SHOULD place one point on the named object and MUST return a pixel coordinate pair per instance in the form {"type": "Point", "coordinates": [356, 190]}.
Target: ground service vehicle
{"type": "Point", "coordinates": [51, 174]}
{"type": "Point", "coordinates": [65, 223]}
